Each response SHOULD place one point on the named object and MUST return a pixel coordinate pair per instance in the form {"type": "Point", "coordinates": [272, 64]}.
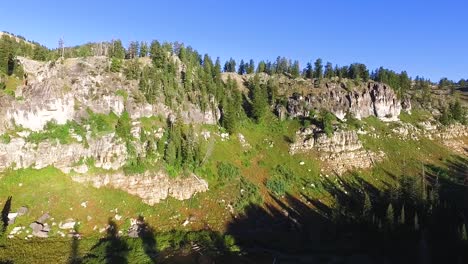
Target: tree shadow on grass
{"type": "Point", "coordinates": [147, 235]}
{"type": "Point", "coordinates": [5, 211]}
{"type": "Point", "coordinates": [110, 249]}
{"type": "Point", "coordinates": [301, 229]}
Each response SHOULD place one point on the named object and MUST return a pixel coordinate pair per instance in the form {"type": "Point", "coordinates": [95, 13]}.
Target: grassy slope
{"type": "Point", "coordinates": [49, 190]}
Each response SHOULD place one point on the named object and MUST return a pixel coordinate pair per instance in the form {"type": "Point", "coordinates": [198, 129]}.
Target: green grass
{"type": "Point", "coordinates": [416, 116]}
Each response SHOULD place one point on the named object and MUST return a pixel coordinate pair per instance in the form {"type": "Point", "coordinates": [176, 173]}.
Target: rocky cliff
{"type": "Point", "coordinates": [373, 99]}
{"type": "Point", "coordinates": [64, 90]}
{"type": "Point", "coordinates": [151, 187]}
{"type": "Point", "coordinates": [340, 152]}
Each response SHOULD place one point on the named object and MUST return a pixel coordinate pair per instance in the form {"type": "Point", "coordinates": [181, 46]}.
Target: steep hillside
{"type": "Point", "coordinates": [162, 155]}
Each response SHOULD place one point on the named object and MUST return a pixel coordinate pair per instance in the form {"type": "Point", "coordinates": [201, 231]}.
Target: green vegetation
{"type": "Point", "coordinates": [54, 131]}
{"type": "Point", "coordinates": [453, 113]}
{"type": "Point", "coordinates": [249, 195]}
{"type": "Point", "coordinates": [281, 181]}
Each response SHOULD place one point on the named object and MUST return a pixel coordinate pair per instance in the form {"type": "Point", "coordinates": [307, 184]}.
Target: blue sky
{"type": "Point", "coordinates": [427, 38]}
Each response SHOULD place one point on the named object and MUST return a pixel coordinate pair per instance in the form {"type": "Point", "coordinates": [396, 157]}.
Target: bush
{"type": "Point", "coordinates": [277, 185]}
{"type": "Point", "coordinates": [282, 180]}
{"type": "Point", "coordinates": [116, 65]}
{"type": "Point", "coordinates": [249, 194]}
{"type": "Point", "coordinates": [5, 139]}
{"type": "Point", "coordinates": [227, 171]}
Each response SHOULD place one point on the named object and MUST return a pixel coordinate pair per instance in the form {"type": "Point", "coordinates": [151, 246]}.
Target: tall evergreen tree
{"type": "Point", "coordinates": [318, 69]}
{"type": "Point", "coordinates": [390, 215]}
{"type": "Point", "coordinates": [329, 72]}
{"type": "Point", "coordinates": [259, 99]}
{"type": "Point", "coordinates": [367, 206]}
{"type": "Point", "coordinates": [242, 68]}
{"type": "Point", "coordinates": [295, 69]}
{"type": "Point", "coordinates": [402, 217]}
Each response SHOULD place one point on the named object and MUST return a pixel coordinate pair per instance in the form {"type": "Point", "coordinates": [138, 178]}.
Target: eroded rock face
{"type": "Point", "coordinates": [107, 152]}
{"type": "Point", "coordinates": [65, 90]}
{"type": "Point", "coordinates": [340, 152]}
{"type": "Point", "coordinates": [376, 99]}
{"type": "Point", "coordinates": [150, 187]}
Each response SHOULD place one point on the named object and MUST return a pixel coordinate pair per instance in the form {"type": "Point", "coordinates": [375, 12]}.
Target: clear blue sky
{"type": "Point", "coordinates": [427, 38]}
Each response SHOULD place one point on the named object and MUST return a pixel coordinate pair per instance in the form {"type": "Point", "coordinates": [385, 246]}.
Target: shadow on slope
{"type": "Point", "coordinates": [416, 221]}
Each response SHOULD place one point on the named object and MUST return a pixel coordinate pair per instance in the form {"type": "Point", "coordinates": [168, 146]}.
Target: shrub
{"type": "Point", "coordinates": [249, 194]}
{"type": "Point", "coordinates": [227, 171]}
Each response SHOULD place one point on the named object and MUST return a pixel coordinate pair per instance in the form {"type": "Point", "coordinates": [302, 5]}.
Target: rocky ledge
{"type": "Point", "coordinates": [374, 99]}
{"type": "Point", "coordinates": [340, 152]}
{"type": "Point", "coordinates": [150, 187]}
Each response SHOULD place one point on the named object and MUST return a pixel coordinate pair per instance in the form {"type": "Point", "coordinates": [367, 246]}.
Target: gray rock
{"type": "Point", "coordinates": [22, 210]}
{"type": "Point", "coordinates": [43, 218]}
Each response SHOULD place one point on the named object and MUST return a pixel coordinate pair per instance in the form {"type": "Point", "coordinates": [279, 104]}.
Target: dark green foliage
{"type": "Point", "coordinates": [259, 99]}
{"type": "Point", "coordinates": [227, 171]}
{"type": "Point", "coordinates": [117, 50]}
{"type": "Point", "coordinates": [329, 72]}
{"type": "Point", "coordinates": [367, 208]}
{"type": "Point", "coordinates": [249, 194]}
{"type": "Point", "coordinates": [295, 69]}
{"type": "Point", "coordinates": [318, 69]}
{"type": "Point", "coordinates": [327, 120]}
{"type": "Point", "coordinates": [230, 66]}
{"type": "Point", "coordinates": [124, 126]}
{"type": "Point", "coordinates": [281, 181]}
{"type": "Point", "coordinates": [116, 65]}
{"type": "Point", "coordinates": [132, 69]}
{"type": "Point", "coordinates": [453, 113]}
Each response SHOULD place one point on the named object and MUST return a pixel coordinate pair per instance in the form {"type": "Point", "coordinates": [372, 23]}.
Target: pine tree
{"type": "Point", "coordinates": [367, 206]}
{"type": "Point", "coordinates": [259, 99]}
{"type": "Point", "coordinates": [329, 72]}
{"type": "Point", "coordinates": [143, 49]}
{"type": "Point", "coordinates": [318, 69]}
{"type": "Point", "coordinates": [261, 67]}
{"type": "Point", "coordinates": [295, 69]}
{"type": "Point", "coordinates": [390, 215]}
{"type": "Point", "coordinates": [402, 217]}
{"type": "Point", "coordinates": [251, 67]}
{"type": "Point", "coordinates": [463, 234]}
{"type": "Point", "coordinates": [416, 222]}
{"type": "Point", "coordinates": [242, 69]}
{"type": "Point", "coordinates": [309, 71]}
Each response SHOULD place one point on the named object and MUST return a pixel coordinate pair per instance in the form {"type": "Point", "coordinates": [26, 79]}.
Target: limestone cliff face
{"type": "Point", "coordinates": [107, 152]}
{"type": "Point", "coordinates": [375, 99]}
{"type": "Point", "coordinates": [151, 187]}
{"type": "Point", "coordinates": [64, 90]}
{"type": "Point", "coordinates": [340, 152]}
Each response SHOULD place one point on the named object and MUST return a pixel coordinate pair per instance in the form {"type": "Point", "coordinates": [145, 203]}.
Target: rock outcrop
{"type": "Point", "coordinates": [340, 152]}
{"type": "Point", "coordinates": [66, 89]}
{"type": "Point", "coordinates": [107, 152]}
{"type": "Point", "coordinates": [150, 187]}
{"type": "Point", "coordinates": [375, 99]}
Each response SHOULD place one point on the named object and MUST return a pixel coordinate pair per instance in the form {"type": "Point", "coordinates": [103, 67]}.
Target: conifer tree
{"type": "Point", "coordinates": [402, 217]}
{"type": "Point", "coordinates": [416, 222]}
{"type": "Point", "coordinates": [259, 99]}
{"type": "Point", "coordinates": [390, 215]}
{"type": "Point", "coordinates": [367, 206]}
{"type": "Point", "coordinates": [261, 67]}
{"type": "Point", "coordinates": [242, 68]}
{"type": "Point", "coordinates": [295, 69]}
{"type": "Point", "coordinates": [329, 72]}
{"type": "Point", "coordinates": [318, 69]}
{"type": "Point", "coordinates": [463, 234]}
{"type": "Point", "coordinates": [251, 67]}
